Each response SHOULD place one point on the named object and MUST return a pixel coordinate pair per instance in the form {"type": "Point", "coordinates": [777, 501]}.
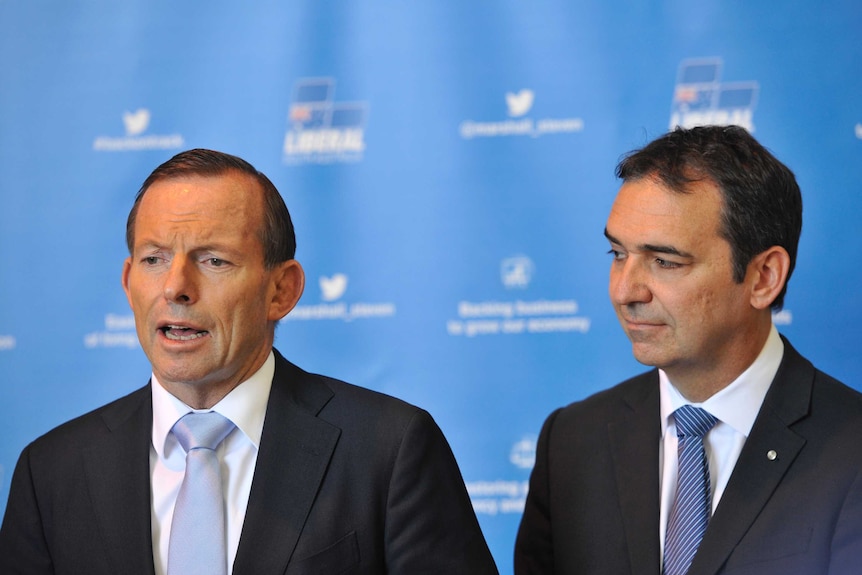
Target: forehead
{"type": "Point", "coordinates": [232, 196]}
{"type": "Point", "coordinates": [646, 211]}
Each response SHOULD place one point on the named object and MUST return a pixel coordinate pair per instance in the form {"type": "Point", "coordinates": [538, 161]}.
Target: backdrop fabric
{"type": "Point", "coordinates": [449, 167]}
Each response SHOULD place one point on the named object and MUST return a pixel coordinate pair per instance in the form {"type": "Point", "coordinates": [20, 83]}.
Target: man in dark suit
{"type": "Point", "coordinates": [703, 235]}
{"type": "Point", "coordinates": [316, 475]}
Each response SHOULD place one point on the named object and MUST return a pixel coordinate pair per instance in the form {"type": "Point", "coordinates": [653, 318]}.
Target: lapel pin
{"type": "Point", "coordinates": [771, 455]}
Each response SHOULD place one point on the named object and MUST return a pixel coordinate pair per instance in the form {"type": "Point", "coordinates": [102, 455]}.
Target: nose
{"type": "Point", "coordinates": [181, 282]}
{"type": "Point", "coordinates": [628, 282]}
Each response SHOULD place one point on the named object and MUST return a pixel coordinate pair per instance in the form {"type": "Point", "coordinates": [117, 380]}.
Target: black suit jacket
{"type": "Point", "coordinates": [593, 504]}
{"type": "Point", "coordinates": [347, 481]}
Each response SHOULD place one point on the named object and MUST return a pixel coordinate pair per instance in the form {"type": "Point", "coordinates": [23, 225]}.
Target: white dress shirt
{"type": "Point", "coordinates": [245, 406]}
{"type": "Point", "coordinates": [736, 407]}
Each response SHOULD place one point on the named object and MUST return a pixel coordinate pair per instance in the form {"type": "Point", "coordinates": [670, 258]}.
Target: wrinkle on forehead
{"type": "Point", "coordinates": [212, 205]}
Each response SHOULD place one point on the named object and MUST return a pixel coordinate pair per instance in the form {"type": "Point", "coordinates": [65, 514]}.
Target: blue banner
{"type": "Point", "coordinates": [449, 167]}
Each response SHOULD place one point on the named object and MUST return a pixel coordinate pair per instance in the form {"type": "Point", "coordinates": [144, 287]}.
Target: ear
{"type": "Point", "coordinates": [288, 284]}
{"type": "Point", "coordinates": [127, 268]}
{"type": "Point", "coordinates": [767, 274]}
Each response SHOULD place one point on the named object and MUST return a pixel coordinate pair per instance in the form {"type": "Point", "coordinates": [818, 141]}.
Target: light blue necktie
{"type": "Point", "coordinates": [197, 543]}
{"type": "Point", "coordinates": [691, 508]}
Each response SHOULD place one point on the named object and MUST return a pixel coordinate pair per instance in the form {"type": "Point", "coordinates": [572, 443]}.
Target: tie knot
{"type": "Point", "coordinates": [693, 421]}
{"type": "Point", "coordinates": [202, 430]}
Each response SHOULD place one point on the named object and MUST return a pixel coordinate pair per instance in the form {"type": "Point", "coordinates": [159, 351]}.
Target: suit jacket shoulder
{"type": "Point", "coordinates": [79, 432]}
{"type": "Point", "coordinates": [614, 403]}
{"type": "Point", "coordinates": [594, 497]}
{"type": "Point", "coordinates": [793, 504]}
{"type": "Point", "coordinates": [352, 480]}
{"type": "Point", "coordinates": [794, 501]}
{"type": "Point", "coordinates": [79, 501]}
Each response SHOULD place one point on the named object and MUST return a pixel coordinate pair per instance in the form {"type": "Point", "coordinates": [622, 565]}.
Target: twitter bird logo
{"type": "Point", "coordinates": [136, 122]}
{"type": "Point", "coordinates": [520, 103]}
{"type": "Point", "coordinates": [332, 288]}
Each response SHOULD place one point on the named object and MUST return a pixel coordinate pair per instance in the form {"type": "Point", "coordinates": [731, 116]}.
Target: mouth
{"type": "Point", "coordinates": [178, 332]}
{"type": "Point", "coordinates": [640, 323]}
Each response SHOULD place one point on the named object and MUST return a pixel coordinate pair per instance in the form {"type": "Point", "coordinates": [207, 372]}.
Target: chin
{"type": "Point", "coordinates": [647, 356]}
{"type": "Point", "coordinates": [184, 375]}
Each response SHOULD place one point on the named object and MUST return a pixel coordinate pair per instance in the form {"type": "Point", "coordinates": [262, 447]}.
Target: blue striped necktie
{"type": "Point", "coordinates": [691, 508]}
{"type": "Point", "coordinates": [198, 541]}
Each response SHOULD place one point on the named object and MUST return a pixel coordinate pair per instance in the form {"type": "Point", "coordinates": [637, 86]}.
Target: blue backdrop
{"type": "Point", "coordinates": [449, 167]}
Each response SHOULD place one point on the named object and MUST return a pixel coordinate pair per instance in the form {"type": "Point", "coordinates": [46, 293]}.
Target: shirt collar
{"type": "Point", "coordinates": [245, 406]}
{"type": "Point", "coordinates": [739, 403]}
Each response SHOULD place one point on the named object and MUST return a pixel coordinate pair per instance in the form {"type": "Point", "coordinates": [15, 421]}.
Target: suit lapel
{"type": "Point", "coordinates": [757, 475]}
{"type": "Point", "coordinates": [634, 444]}
{"type": "Point", "coordinates": [117, 468]}
{"type": "Point", "coordinates": [295, 450]}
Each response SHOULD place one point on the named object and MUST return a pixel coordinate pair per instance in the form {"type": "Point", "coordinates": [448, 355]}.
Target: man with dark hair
{"type": "Point", "coordinates": [734, 455]}
{"type": "Point", "coordinates": [232, 459]}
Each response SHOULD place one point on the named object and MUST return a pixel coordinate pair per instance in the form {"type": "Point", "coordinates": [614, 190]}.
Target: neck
{"type": "Point", "coordinates": [199, 397]}
{"type": "Point", "coordinates": [697, 383]}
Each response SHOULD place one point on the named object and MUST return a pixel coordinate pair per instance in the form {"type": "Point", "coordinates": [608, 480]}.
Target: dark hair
{"type": "Point", "coordinates": [762, 204]}
{"type": "Point", "coordinates": [277, 235]}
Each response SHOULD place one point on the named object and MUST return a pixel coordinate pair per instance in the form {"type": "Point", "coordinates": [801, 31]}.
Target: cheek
{"type": "Point", "coordinates": [712, 307]}
{"type": "Point", "coordinates": [136, 300]}
{"type": "Point", "coordinates": [705, 301]}
{"type": "Point", "coordinates": [142, 287]}
{"type": "Point", "coordinates": [244, 309]}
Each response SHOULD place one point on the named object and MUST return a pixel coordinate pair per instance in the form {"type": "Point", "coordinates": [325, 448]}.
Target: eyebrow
{"type": "Point", "coordinates": [205, 248]}
{"type": "Point", "coordinates": [670, 250]}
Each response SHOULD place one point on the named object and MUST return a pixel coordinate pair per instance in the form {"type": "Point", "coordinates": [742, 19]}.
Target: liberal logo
{"type": "Point", "coordinates": [136, 123]}
{"type": "Point", "coordinates": [321, 130]}
{"type": "Point", "coordinates": [700, 98]}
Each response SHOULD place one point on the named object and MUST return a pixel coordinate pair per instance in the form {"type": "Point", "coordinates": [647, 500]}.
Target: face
{"type": "Point", "coordinates": [204, 304]}
{"type": "Point", "coordinates": [671, 281]}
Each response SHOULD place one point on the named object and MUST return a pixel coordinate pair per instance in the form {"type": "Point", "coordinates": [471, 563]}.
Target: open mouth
{"type": "Point", "coordinates": [181, 332]}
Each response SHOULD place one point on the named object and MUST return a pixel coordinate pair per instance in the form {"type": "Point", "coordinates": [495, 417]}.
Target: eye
{"type": "Point", "coordinates": [616, 254]}
{"type": "Point", "coordinates": [151, 260]}
{"type": "Point", "coordinates": [216, 262]}
{"type": "Point", "coordinates": [662, 263]}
